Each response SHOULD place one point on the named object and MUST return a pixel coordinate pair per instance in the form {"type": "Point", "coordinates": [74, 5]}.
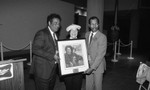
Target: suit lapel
{"type": "Point", "coordinates": [94, 39]}
{"type": "Point", "coordinates": [87, 39]}
{"type": "Point", "coordinates": [50, 36]}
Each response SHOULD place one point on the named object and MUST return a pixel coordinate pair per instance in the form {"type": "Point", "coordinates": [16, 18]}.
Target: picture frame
{"type": "Point", "coordinates": [73, 56]}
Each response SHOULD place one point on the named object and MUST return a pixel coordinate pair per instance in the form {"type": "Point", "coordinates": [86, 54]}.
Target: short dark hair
{"type": "Point", "coordinates": [52, 16]}
{"type": "Point", "coordinates": [68, 46]}
{"type": "Point", "coordinates": [93, 17]}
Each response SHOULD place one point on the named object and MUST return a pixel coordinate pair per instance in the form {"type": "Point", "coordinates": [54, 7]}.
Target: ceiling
{"type": "Point", "coordinates": [81, 3]}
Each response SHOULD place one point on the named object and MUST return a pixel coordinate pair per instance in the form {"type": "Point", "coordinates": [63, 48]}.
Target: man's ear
{"type": "Point", "coordinates": [49, 23]}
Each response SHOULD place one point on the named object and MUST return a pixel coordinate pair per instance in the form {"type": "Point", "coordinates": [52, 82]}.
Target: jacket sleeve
{"type": "Point", "coordinates": [101, 51]}
{"type": "Point", "coordinates": [40, 49]}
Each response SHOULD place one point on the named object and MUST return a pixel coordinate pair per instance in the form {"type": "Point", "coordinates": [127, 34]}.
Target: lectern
{"type": "Point", "coordinates": [12, 75]}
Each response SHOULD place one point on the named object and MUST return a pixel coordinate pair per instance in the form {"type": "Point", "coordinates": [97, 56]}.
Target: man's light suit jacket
{"type": "Point", "coordinates": [97, 49]}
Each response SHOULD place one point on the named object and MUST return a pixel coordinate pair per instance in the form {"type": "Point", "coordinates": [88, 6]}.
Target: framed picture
{"type": "Point", "coordinates": [73, 56]}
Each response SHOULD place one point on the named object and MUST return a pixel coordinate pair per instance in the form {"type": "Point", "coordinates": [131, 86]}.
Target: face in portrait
{"type": "Point", "coordinates": [71, 58]}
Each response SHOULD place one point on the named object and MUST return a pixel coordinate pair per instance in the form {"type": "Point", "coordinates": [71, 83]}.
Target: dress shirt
{"type": "Point", "coordinates": [53, 34]}
{"type": "Point", "coordinates": [90, 38]}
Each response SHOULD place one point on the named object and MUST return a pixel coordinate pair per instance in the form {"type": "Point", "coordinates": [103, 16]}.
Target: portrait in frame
{"type": "Point", "coordinates": [73, 56]}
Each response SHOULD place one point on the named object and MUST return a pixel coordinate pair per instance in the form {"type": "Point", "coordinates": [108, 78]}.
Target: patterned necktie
{"type": "Point", "coordinates": [54, 37]}
{"type": "Point", "coordinates": [91, 38]}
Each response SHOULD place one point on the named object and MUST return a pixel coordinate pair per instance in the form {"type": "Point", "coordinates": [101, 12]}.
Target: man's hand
{"type": "Point", "coordinates": [89, 57]}
{"type": "Point", "coordinates": [56, 57]}
{"type": "Point", "coordinates": [89, 71]}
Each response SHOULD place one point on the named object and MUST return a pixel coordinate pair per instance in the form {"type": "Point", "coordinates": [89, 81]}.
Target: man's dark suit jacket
{"type": "Point", "coordinates": [43, 54]}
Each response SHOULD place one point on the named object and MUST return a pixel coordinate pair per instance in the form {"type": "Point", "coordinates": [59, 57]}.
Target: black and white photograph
{"type": "Point", "coordinates": [75, 44]}
{"type": "Point", "coordinates": [73, 56]}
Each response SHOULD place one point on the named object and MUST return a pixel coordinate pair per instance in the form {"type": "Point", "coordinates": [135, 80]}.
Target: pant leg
{"type": "Point", "coordinates": [46, 84]}
{"type": "Point", "coordinates": [73, 82]}
{"type": "Point", "coordinates": [68, 82]}
{"type": "Point", "coordinates": [89, 82]}
{"type": "Point", "coordinates": [77, 81]}
{"type": "Point", "coordinates": [52, 83]}
{"type": "Point", "coordinates": [52, 78]}
{"type": "Point", "coordinates": [41, 84]}
{"type": "Point", "coordinates": [98, 78]}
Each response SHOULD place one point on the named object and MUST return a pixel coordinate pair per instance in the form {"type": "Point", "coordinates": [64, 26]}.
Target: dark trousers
{"type": "Point", "coordinates": [46, 84]}
{"type": "Point", "coordinates": [73, 82]}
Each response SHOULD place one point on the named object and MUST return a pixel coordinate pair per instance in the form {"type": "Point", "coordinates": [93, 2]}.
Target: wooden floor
{"type": "Point", "coordinates": [118, 76]}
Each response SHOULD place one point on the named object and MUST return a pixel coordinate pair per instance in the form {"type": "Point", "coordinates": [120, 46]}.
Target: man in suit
{"type": "Point", "coordinates": [96, 46]}
{"type": "Point", "coordinates": [45, 54]}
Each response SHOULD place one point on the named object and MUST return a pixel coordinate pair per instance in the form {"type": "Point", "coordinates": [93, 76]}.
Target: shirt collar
{"type": "Point", "coordinates": [73, 38]}
{"type": "Point", "coordinates": [52, 33]}
{"type": "Point", "coordinates": [50, 30]}
{"type": "Point", "coordinates": [93, 33]}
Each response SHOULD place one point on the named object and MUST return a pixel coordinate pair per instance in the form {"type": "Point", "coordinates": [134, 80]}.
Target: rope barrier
{"type": "Point", "coordinates": [116, 52]}
{"type": "Point", "coordinates": [120, 44]}
{"type": "Point", "coordinates": [124, 45]}
{"type": "Point", "coordinates": [10, 49]}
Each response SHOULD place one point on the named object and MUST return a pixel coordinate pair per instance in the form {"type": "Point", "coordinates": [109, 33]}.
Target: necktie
{"type": "Point", "coordinates": [91, 38]}
{"type": "Point", "coordinates": [54, 37]}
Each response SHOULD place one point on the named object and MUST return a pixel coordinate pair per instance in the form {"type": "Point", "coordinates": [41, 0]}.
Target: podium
{"type": "Point", "coordinates": [12, 75]}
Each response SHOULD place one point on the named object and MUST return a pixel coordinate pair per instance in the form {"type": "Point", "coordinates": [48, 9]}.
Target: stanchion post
{"type": "Point", "coordinates": [118, 53]}
{"type": "Point", "coordinates": [31, 51]}
{"type": "Point", "coordinates": [2, 56]}
{"type": "Point", "coordinates": [30, 54]}
{"type": "Point", "coordinates": [130, 57]}
{"type": "Point", "coordinates": [114, 59]}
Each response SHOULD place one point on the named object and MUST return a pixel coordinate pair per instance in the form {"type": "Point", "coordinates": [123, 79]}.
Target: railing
{"type": "Point", "coordinates": [11, 49]}
{"type": "Point", "coordinates": [116, 48]}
